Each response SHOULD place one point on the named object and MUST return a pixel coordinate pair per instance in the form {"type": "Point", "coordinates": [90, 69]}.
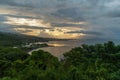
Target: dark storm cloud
{"type": "Point", "coordinates": [113, 14]}
{"type": "Point", "coordinates": [2, 18]}
{"type": "Point", "coordinates": [67, 25]}
{"type": "Point", "coordinates": [69, 13]}
{"type": "Point", "coordinates": [19, 16]}
{"type": "Point", "coordinates": [10, 3]}
{"type": "Point", "coordinates": [103, 16]}
{"type": "Point", "coordinates": [31, 27]}
{"type": "Point", "coordinates": [15, 3]}
{"type": "Point", "coordinates": [6, 2]}
{"type": "Point", "coordinates": [87, 32]}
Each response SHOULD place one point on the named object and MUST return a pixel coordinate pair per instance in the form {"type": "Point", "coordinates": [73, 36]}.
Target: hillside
{"type": "Point", "coordinates": [88, 62]}
{"type": "Point", "coordinates": [10, 39]}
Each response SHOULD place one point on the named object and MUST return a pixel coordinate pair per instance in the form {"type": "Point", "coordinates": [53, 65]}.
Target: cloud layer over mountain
{"type": "Point", "coordinates": [61, 18]}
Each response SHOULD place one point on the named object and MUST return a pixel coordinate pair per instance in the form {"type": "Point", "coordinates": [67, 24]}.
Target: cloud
{"type": "Point", "coordinates": [2, 18]}
{"type": "Point", "coordinates": [113, 14]}
{"type": "Point", "coordinates": [26, 21]}
{"type": "Point", "coordinates": [70, 24]}
{"type": "Point", "coordinates": [6, 2]}
{"type": "Point", "coordinates": [61, 17]}
{"type": "Point", "coordinates": [87, 32]}
{"type": "Point", "coordinates": [69, 13]}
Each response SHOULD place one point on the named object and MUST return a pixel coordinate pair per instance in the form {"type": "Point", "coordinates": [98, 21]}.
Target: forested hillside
{"type": "Point", "coordinates": [88, 62]}
{"type": "Point", "coordinates": [10, 39]}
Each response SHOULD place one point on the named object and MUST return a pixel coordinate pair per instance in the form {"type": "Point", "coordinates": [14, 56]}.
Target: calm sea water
{"type": "Point", "coordinates": [64, 46]}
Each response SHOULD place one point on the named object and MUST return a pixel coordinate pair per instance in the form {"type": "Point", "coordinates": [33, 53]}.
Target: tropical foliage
{"type": "Point", "coordinates": [88, 62]}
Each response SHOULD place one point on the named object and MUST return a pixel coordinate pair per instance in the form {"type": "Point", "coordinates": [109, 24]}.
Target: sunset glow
{"type": "Point", "coordinates": [26, 22]}
{"type": "Point", "coordinates": [72, 19]}
{"type": "Point", "coordinates": [54, 32]}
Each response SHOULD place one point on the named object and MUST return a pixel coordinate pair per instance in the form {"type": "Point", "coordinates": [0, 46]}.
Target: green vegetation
{"type": "Point", "coordinates": [33, 46]}
{"type": "Point", "coordinates": [88, 62]}
{"type": "Point", "coordinates": [10, 39]}
{"type": "Point", "coordinates": [95, 62]}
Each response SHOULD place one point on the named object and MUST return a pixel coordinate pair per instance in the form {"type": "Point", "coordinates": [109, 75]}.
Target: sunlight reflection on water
{"type": "Point", "coordinates": [60, 47]}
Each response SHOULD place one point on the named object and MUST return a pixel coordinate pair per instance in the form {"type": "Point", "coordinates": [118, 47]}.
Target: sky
{"type": "Point", "coordinates": [64, 19]}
